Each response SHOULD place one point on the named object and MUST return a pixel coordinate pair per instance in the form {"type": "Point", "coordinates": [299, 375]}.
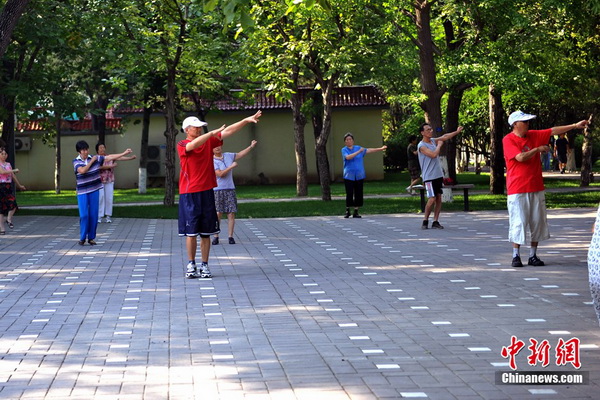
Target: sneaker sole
{"type": "Point", "coordinates": [205, 276]}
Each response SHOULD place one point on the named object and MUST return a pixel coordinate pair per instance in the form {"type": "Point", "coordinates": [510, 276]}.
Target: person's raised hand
{"type": "Point", "coordinates": [254, 118]}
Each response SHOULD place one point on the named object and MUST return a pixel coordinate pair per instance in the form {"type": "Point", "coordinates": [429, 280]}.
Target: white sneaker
{"type": "Point", "coordinates": [191, 271]}
{"type": "Point", "coordinates": [409, 189]}
{"type": "Point", "coordinates": [108, 220]}
{"type": "Point", "coordinates": [100, 220]}
{"type": "Point", "coordinates": [204, 271]}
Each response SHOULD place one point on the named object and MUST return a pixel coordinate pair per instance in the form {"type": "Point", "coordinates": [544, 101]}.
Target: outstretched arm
{"type": "Point", "coordinates": [231, 129]}
{"type": "Point", "coordinates": [373, 150]}
{"type": "Point", "coordinates": [127, 158]}
{"type": "Point", "coordinates": [245, 152]}
{"type": "Point", "coordinates": [450, 135]}
{"type": "Point", "coordinates": [557, 130]}
{"type": "Point", "coordinates": [112, 157]}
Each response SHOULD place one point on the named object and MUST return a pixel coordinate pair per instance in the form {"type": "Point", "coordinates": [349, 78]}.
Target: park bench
{"type": "Point", "coordinates": [465, 188]}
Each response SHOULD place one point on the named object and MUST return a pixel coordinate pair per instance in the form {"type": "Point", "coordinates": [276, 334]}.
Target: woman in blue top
{"type": "Point", "coordinates": [354, 173]}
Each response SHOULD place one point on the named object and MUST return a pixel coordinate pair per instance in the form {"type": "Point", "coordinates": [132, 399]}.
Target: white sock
{"type": "Point", "coordinates": [515, 252]}
{"type": "Point", "coordinates": [532, 251]}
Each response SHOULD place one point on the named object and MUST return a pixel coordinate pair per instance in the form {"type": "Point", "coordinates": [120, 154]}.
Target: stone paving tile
{"type": "Point", "coordinates": [300, 308]}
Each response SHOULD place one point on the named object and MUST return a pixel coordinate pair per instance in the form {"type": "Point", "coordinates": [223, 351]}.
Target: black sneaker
{"type": "Point", "coordinates": [436, 225]}
{"type": "Point", "coordinates": [516, 262]}
{"type": "Point", "coordinates": [355, 215]}
{"type": "Point", "coordinates": [535, 261]}
{"type": "Point", "coordinates": [425, 225]}
{"type": "Point", "coordinates": [81, 242]}
{"type": "Point", "coordinates": [231, 240]}
{"type": "Point", "coordinates": [92, 242]}
{"type": "Point", "coordinates": [215, 241]}
{"type": "Point", "coordinates": [347, 215]}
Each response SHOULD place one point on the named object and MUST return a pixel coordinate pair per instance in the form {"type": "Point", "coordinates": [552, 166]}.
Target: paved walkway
{"type": "Point", "coordinates": [301, 308]}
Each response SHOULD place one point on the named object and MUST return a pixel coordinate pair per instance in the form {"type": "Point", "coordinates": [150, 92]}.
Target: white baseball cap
{"type": "Point", "coordinates": [192, 121]}
{"type": "Point", "coordinates": [519, 116]}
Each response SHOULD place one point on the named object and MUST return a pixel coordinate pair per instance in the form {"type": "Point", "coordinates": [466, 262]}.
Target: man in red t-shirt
{"type": "Point", "coordinates": [197, 213]}
{"type": "Point", "coordinates": [526, 199]}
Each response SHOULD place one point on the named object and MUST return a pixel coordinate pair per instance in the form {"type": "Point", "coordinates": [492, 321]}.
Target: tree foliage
{"type": "Point", "coordinates": [443, 62]}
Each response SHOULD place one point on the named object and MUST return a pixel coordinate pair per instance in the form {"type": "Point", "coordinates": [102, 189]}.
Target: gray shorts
{"type": "Point", "coordinates": [527, 215]}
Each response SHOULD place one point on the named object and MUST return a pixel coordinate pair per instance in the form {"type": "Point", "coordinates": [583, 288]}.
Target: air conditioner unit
{"type": "Point", "coordinates": [156, 160]}
{"type": "Point", "coordinates": [22, 143]}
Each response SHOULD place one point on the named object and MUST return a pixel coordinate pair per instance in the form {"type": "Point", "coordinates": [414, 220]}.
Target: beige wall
{"type": "Point", "coordinates": [274, 156]}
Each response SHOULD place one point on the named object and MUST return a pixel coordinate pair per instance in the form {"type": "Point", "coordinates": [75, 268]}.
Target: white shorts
{"type": "Point", "coordinates": [527, 212]}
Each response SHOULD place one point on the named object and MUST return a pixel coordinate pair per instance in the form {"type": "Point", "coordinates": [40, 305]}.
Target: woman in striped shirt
{"type": "Point", "coordinates": [87, 174]}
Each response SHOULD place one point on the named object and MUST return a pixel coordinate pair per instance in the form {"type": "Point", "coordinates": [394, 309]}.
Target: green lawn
{"type": "Point", "coordinates": [393, 183]}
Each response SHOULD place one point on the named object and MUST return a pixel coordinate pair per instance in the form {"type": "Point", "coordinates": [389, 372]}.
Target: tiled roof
{"type": "Point", "coordinates": [348, 96]}
{"type": "Point", "coordinates": [76, 126]}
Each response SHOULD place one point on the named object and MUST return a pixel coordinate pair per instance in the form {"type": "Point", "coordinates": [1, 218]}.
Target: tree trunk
{"type": "Point", "coordinates": [8, 21]}
{"type": "Point", "coordinates": [586, 159]}
{"type": "Point", "coordinates": [322, 161]}
{"type": "Point", "coordinates": [142, 172]}
{"type": "Point", "coordinates": [7, 101]}
{"type": "Point", "coordinates": [8, 127]}
{"type": "Point", "coordinates": [321, 142]}
{"type": "Point", "coordinates": [432, 103]}
{"type": "Point", "coordinates": [57, 157]}
{"type": "Point", "coordinates": [496, 111]}
{"type": "Point", "coordinates": [299, 145]}
{"type": "Point", "coordinates": [323, 167]}
{"type": "Point", "coordinates": [170, 135]}
{"type": "Point", "coordinates": [99, 120]}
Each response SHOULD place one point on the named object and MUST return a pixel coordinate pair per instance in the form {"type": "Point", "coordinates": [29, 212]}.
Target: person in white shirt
{"type": "Point", "coordinates": [225, 196]}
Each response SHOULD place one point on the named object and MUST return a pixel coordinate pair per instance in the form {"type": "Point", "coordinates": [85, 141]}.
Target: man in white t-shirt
{"type": "Point", "coordinates": [225, 197]}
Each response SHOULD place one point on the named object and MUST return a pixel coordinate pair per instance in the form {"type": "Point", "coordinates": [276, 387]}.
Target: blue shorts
{"type": "Point", "coordinates": [197, 214]}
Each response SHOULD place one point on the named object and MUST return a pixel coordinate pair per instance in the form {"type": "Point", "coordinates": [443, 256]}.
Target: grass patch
{"type": "Point", "coordinates": [314, 208]}
{"type": "Point", "coordinates": [393, 183]}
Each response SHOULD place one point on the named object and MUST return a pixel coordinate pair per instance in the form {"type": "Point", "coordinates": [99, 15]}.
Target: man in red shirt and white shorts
{"type": "Point", "coordinates": [197, 212]}
{"type": "Point", "coordinates": [525, 185]}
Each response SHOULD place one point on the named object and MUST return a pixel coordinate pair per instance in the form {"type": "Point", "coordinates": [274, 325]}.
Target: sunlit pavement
{"type": "Point", "coordinates": [301, 308]}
